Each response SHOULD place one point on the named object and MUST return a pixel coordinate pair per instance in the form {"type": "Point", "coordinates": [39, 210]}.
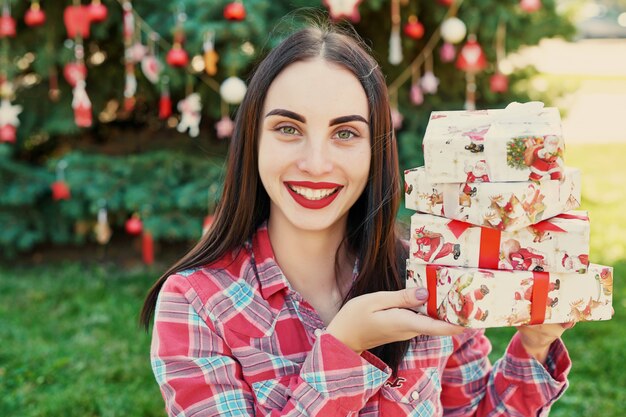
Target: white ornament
{"type": "Point", "coordinates": [344, 8]}
{"type": "Point", "coordinates": [224, 127]}
{"type": "Point", "coordinates": [233, 90]}
{"type": "Point", "coordinates": [395, 47]}
{"type": "Point", "coordinates": [429, 83]}
{"type": "Point", "coordinates": [190, 108]}
{"type": "Point", "coordinates": [453, 30]}
{"type": "Point", "coordinates": [151, 68]}
{"type": "Point", "coordinates": [9, 112]}
{"type": "Point", "coordinates": [81, 105]}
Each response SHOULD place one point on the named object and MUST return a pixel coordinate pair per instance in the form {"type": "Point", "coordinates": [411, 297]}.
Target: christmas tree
{"type": "Point", "coordinates": [97, 88]}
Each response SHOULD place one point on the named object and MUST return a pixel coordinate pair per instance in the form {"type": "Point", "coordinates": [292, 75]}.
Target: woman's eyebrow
{"type": "Point", "coordinates": [286, 113]}
{"type": "Point", "coordinates": [344, 119]}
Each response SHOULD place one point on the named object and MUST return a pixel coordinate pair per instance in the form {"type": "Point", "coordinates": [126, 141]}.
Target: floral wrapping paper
{"type": "Point", "coordinates": [506, 206]}
{"type": "Point", "coordinates": [522, 142]}
{"type": "Point", "coordinates": [482, 298]}
{"type": "Point", "coordinates": [559, 244]}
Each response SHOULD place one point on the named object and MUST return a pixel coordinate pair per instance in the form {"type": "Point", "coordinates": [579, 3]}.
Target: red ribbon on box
{"type": "Point", "coordinates": [489, 253]}
{"type": "Point", "coordinates": [539, 298]}
{"type": "Point", "coordinates": [548, 226]}
{"type": "Point", "coordinates": [538, 302]}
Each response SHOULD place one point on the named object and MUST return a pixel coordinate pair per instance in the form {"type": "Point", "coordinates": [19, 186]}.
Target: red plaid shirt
{"type": "Point", "coordinates": [230, 341]}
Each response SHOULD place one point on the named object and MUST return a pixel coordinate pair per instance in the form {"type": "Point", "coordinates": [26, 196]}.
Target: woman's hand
{"type": "Point", "coordinates": [382, 317]}
{"type": "Point", "coordinates": [537, 339]}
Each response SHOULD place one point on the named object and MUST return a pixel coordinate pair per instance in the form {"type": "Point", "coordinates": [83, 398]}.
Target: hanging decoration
{"type": "Point", "coordinates": [224, 127]}
{"type": "Point", "coordinates": [7, 23]}
{"type": "Point", "coordinates": [429, 82]}
{"type": "Point", "coordinates": [34, 16]}
{"type": "Point", "coordinates": [150, 64]}
{"type": "Point", "coordinates": [340, 9]}
{"type": "Point", "coordinates": [177, 56]}
{"type": "Point", "coordinates": [447, 53]}
{"type": "Point", "coordinates": [232, 90]}
{"type": "Point", "coordinates": [235, 11]}
{"type": "Point", "coordinates": [97, 11]}
{"type": "Point", "coordinates": [210, 56]}
{"type": "Point", "coordinates": [147, 248]}
{"type": "Point", "coordinates": [446, 3]}
{"type": "Point", "coordinates": [165, 102]}
{"type": "Point", "coordinates": [77, 19]}
{"type": "Point", "coordinates": [530, 6]}
{"type": "Point", "coordinates": [499, 82]}
{"type": "Point", "coordinates": [60, 189]}
{"type": "Point", "coordinates": [416, 94]}
{"type": "Point", "coordinates": [395, 43]}
{"type": "Point", "coordinates": [453, 30]}
{"type": "Point", "coordinates": [9, 121]}
{"type": "Point", "coordinates": [134, 225]}
{"type": "Point", "coordinates": [191, 112]}
{"type": "Point", "coordinates": [102, 230]}
{"type": "Point", "coordinates": [54, 93]}
{"type": "Point", "coordinates": [80, 100]}
{"type": "Point", "coordinates": [414, 29]}
{"type": "Point", "coordinates": [74, 71]}
{"type": "Point", "coordinates": [131, 56]}
{"type": "Point", "coordinates": [471, 59]}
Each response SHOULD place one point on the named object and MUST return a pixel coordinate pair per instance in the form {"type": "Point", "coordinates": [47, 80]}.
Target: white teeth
{"type": "Point", "coordinates": [312, 194]}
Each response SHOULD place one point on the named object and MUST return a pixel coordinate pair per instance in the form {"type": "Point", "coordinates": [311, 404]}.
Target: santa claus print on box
{"type": "Point", "coordinates": [559, 244]}
{"type": "Point", "coordinates": [522, 142]}
{"type": "Point", "coordinates": [481, 298]}
{"type": "Point", "coordinates": [505, 206]}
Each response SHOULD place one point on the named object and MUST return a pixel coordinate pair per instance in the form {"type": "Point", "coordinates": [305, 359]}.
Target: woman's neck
{"type": "Point", "coordinates": [307, 258]}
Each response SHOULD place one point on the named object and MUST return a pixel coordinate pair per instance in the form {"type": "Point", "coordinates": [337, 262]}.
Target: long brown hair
{"type": "Point", "coordinates": [244, 204]}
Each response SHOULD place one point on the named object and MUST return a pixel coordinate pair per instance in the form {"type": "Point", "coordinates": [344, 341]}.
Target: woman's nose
{"type": "Point", "coordinates": [316, 158]}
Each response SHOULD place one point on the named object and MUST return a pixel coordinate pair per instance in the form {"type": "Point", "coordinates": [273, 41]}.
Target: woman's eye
{"type": "Point", "coordinates": [346, 134]}
{"type": "Point", "coordinates": [288, 130]}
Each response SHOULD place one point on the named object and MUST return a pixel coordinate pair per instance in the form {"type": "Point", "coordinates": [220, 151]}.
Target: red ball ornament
{"type": "Point", "coordinates": [177, 56]}
{"type": "Point", "coordinates": [499, 83]}
{"type": "Point", "coordinates": [60, 190]}
{"type": "Point", "coordinates": [74, 71]}
{"type": "Point", "coordinates": [97, 11]}
{"type": "Point", "coordinates": [235, 11]}
{"type": "Point", "coordinates": [530, 6]}
{"type": "Point", "coordinates": [7, 133]}
{"type": "Point", "coordinates": [77, 21]}
{"type": "Point", "coordinates": [471, 57]}
{"type": "Point", "coordinates": [134, 226]}
{"type": "Point", "coordinates": [34, 16]}
{"type": "Point", "coordinates": [7, 26]}
{"type": "Point", "coordinates": [414, 29]}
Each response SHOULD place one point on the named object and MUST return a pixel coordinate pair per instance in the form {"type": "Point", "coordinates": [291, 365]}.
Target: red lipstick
{"type": "Point", "coordinates": [313, 204]}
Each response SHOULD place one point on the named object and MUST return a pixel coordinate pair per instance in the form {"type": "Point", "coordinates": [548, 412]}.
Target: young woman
{"type": "Point", "coordinates": [294, 303]}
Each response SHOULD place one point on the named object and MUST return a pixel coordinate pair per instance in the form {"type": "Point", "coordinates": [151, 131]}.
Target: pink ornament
{"type": "Point", "coordinates": [177, 56]}
{"type": "Point", "coordinates": [97, 11]}
{"type": "Point", "coordinates": [7, 133]}
{"type": "Point", "coordinates": [429, 83]}
{"type": "Point", "coordinates": [151, 68]}
{"type": "Point", "coordinates": [447, 52]}
{"type": "Point", "coordinates": [340, 9]}
{"type": "Point", "coordinates": [499, 83]}
{"type": "Point", "coordinates": [530, 6]}
{"type": "Point", "coordinates": [396, 119]}
{"type": "Point", "coordinates": [136, 52]}
{"type": "Point", "coordinates": [134, 226]}
{"type": "Point", "coordinates": [224, 127]}
{"type": "Point", "coordinates": [471, 58]}
{"type": "Point", "coordinates": [417, 97]}
{"type": "Point", "coordinates": [34, 15]}
{"type": "Point", "coordinates": [60, 190]}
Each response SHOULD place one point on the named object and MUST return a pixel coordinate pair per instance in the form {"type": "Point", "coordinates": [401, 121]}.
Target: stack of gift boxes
{"type": "Point", "coordinates": [496, 238]}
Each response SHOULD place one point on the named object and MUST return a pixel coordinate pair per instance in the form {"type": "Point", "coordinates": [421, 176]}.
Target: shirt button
{"type": "Point", "coordinates": [318, 332]}
{"type": "Point", "coordinates": [415, 395]}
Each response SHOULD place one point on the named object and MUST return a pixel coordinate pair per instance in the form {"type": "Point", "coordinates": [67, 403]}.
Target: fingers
{"type": "Point", "coordinates": [568, 325]}
{"type": "Point", "coordinates": [406, 298]}
{"type": "Point", "coordinates": [418, 324]}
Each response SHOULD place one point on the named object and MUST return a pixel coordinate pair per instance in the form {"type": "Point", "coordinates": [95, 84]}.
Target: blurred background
{"type": "Point", "coordinates": [115, 119]}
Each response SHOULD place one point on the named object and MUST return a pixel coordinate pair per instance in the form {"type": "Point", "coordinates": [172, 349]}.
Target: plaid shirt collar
{"type": "Point", "coordinates": [270, 277]}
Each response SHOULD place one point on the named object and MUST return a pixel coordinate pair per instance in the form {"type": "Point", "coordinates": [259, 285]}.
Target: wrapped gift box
{"type": "Point", "coordinates": [522, 142]}
{"type": "Point", "coordinates": [481, 298]}
{"type": "Point", "coordinates": [506, 206]}
{"type": "Point", "coordinates": [559, 244]}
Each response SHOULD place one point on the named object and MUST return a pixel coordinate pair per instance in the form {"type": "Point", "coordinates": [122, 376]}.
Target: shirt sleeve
{"type": "Point", "coordinates": [517, 384]}
{"type": "Point", "coordinates": [198, 375]}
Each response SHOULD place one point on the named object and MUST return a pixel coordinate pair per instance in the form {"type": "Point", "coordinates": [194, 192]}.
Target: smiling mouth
{"type": "Point", "coordinates": [311, 194]}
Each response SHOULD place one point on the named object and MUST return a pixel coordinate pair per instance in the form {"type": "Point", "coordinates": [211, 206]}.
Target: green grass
{"type": "Point", "coordinates": [70, 345]}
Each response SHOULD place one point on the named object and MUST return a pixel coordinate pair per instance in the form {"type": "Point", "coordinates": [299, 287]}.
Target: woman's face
{"type": "Point", "coordinates": [314, 147]}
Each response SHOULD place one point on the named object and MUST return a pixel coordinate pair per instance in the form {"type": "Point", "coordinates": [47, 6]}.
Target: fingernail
{"type": "Point", "coordinates": [421, 294]}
